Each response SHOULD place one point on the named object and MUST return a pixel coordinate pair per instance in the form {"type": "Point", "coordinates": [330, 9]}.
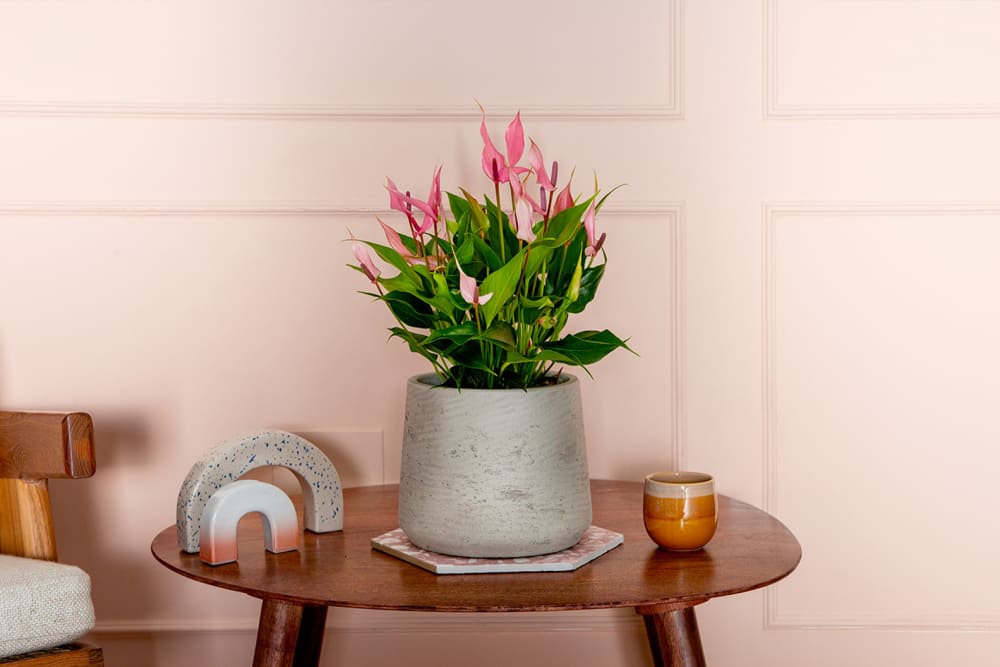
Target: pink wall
{"type": "Point", "coordinates": [803, 257]}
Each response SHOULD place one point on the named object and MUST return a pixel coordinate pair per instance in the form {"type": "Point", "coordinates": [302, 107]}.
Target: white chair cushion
{"type": "Point", "coordinates": [42, 604]}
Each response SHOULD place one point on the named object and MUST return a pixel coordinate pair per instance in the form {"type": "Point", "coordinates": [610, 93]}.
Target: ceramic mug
{"type": "Point", "coordinates": [680, 509]}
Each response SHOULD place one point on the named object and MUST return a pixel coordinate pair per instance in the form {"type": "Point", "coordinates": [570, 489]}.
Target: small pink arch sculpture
{"type": "Point", "coordinates": [234, 501]}
{"type": "Point", "coordinates": [322, 496]}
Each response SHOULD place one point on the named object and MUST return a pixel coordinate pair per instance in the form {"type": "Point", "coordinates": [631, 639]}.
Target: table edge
{"type": "Point", "coordinates": [690, 600]}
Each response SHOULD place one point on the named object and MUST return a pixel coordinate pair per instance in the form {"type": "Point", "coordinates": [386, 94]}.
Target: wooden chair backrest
{"type": "Point", "coordinates": [36, 447]}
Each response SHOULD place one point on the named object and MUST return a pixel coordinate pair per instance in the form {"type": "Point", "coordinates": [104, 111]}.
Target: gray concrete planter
{"type": "Point", "coordinates": [494, 473]}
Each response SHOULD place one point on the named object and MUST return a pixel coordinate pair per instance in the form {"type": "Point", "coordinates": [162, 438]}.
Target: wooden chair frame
{"type": "Point", "coordinates": [34, 448]}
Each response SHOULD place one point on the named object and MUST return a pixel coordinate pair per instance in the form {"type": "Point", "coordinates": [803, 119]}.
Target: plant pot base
{"type": "Point", "coordinates": [494, 473]}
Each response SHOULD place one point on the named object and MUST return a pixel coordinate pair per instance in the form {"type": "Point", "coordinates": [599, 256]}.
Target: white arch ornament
{"type": "Point", "coordinates": [234, 501]}
{"type": "Point", "coordinates": [322, 495]}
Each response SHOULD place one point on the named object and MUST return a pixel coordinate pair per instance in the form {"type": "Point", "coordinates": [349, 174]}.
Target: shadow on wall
{"type": "Point", "coordinates": [89, 536]}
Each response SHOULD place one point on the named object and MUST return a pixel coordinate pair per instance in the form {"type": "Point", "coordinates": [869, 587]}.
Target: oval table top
{"type": "Point", "coordinates": [750, 550]}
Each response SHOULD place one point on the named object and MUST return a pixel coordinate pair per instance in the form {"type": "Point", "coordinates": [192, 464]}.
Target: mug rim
{"type": "Point", "coordinates": [680, 478]}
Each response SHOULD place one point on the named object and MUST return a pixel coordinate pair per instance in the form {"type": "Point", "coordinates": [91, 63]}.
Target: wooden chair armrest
{"type": "Point", "coordinates": [46, 445]}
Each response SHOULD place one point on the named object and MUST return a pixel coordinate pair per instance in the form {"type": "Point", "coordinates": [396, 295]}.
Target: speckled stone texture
{"type": "Point", "coordinates": [595, 543]}
{"type": "Point", "coordinates": [322, 495]}
{"type": "Point", "coordinates": [494, 473]}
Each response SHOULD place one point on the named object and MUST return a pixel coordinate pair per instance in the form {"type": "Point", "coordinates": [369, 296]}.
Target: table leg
{"type": "Point", "coordinates": [310, 637]}
{"type": "Point", "coordinates": [673, 636]}
{"type": "Point", "coordinates": [289, 635]}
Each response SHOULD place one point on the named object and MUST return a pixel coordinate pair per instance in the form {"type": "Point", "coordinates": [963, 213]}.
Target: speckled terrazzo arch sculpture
{"type": "Point", "coordinates": [322, 495]}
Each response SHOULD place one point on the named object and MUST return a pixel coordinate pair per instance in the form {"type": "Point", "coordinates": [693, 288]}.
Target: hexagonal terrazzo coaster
{"type": "Point", "coordinates": [595, 543]}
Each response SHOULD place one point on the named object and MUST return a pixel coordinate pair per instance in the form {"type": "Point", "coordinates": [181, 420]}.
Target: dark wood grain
{"type": "Point", "coordinates": [751, 549]}
{"type": "Point", "coordinates": [673, 635]}
{"type": "Point", "coordinates": [277, 634]}
{"type": "Point", "coordinates": [71, 655]}
{"type": "Point", "coordinates": [310, 642]}
{"type": "Point", "coordinates": [46, 445]}
{"type": "Point", "coordinates": [289, 635]}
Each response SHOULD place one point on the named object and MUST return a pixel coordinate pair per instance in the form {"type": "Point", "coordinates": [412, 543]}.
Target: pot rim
{"type": "Point", "coordinates": [433, 380]}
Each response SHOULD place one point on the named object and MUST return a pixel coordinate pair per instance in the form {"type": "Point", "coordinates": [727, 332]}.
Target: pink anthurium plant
{"type": "Point", "coordinates": [484, 294]}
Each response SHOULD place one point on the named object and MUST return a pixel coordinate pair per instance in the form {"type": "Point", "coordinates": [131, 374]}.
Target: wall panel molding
{"type": "Point", "coordinates": [12, 207]}
{"type": "Point", "coordinates": [774, 95]}
{"type": "Point", "coordinates": [671, 109]}
{"type": "Point", "coordinates": [776, 214]}
{"type": "Point", "coordinates": [139, 208]}
{"type": "Point", "coordinates": [343, 112]}
{"type": "Point", "coordinates": [674, 213]}
{"type": "Point", "coordinates": [678, 322]}
{"type": "Point", "coordinates": [640, 212]}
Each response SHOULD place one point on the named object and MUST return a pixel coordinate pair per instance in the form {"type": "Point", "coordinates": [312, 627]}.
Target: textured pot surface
{"type": "Point", "coordinates": [498, 473]}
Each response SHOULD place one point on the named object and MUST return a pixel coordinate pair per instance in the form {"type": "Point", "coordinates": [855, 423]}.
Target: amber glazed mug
{"type": "Point", "coordinates": [680, 509]}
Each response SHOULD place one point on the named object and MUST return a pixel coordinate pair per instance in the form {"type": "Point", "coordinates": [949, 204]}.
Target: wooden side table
{"type": "Point", "coordinates": [751, 550]}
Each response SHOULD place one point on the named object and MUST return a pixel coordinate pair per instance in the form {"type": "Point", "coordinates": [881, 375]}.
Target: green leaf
{"type": "Point", "coordinates": [562, 265]}
{"type": "Point", "coordinates": [608, 194]}
{"type": "Point", "coordinates": [589, 281]}
{"type": "Point", "coordinates": [541, 302]}
{"type": "Point", "coordinates": [415, 342]}
{"type": "Point", "coordinates": [392, 257]}
{"type": "Point", "coordinates": [500, 332]}
{"type": "Point", "coordinates": [479, 218]}
{"type": "Point", "coordinates": [410, 310]}
{"type": "Point", "coordinates": [564, 225]}
{"type": "Point", "coordinates": [538, 358]}
{"type": "Point", "coordinates": [500, 235]}
{"type": "Point", "coordinates": [459, 206]}
{"type": "Point", "coordinates": [471, 260]}
{"type": "Point", "coordinates": [431, 288]}
{"type": "Point", "coordinates": [461, 333]}
{"type": "Point", "coordinates": [501, 284]}
{"type": "Point", "coordinates": [573, 293]}
{"type": "Point", "coordinates": [443, 300]}
{"type": "Point", "coordinates": [536, 257]}
{"type": "Point", "coordinates": [402, 283]}
{"type": "Point", "coordinates": [491, 259]}
{"type": "Point", "coordinates": [533, 310]}
{"type": "Point", "coordinates": [469, 357]}
{"type": "Point", "coordinates": [586, 347]}
{"type": "Point", "coordinates": [466, 252]}
{"type": "Point", "coordinates": [434, 243]}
